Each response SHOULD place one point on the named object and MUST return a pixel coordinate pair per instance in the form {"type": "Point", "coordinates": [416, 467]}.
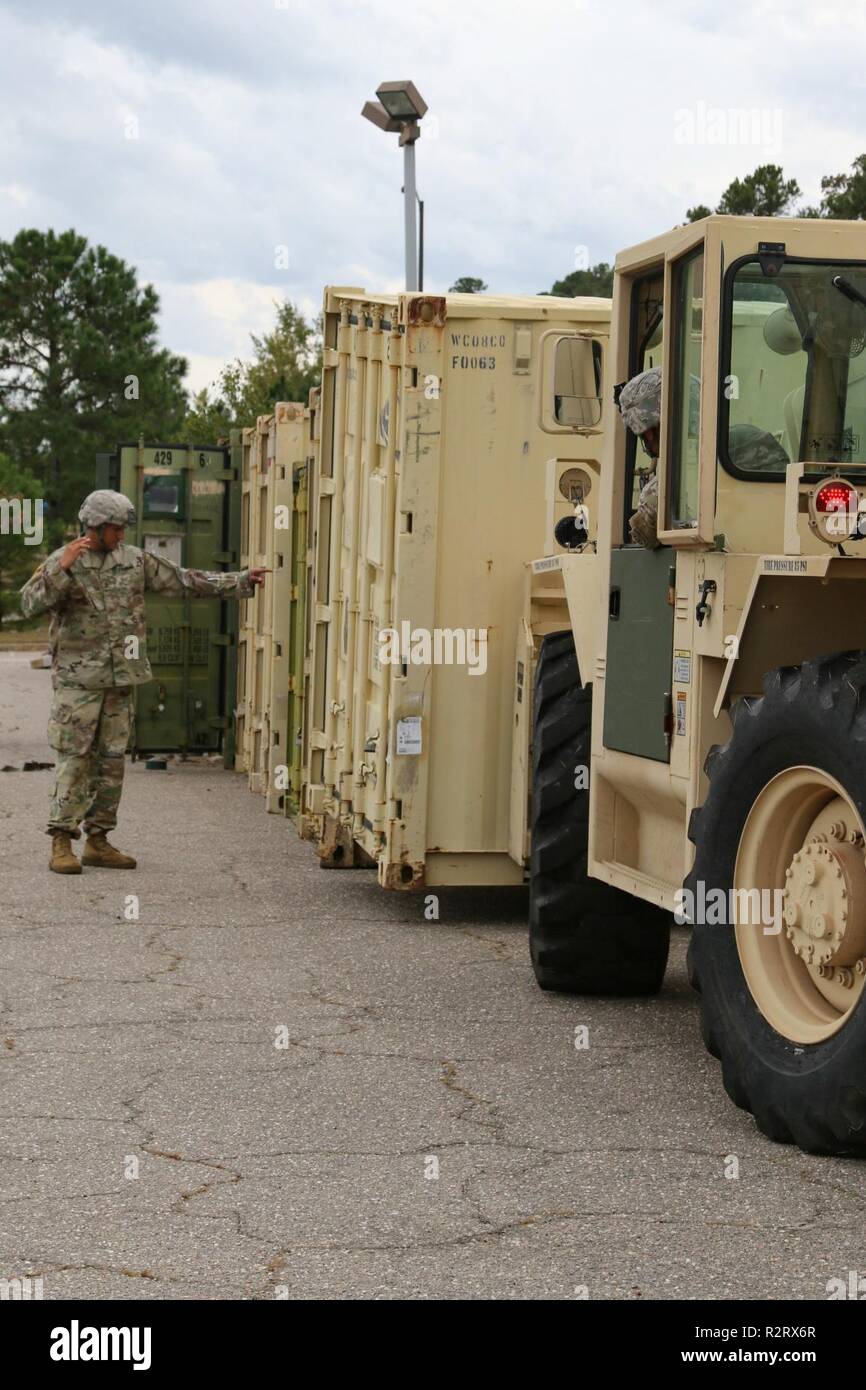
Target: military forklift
{"type": "Point", "coordinates": [698, 727]}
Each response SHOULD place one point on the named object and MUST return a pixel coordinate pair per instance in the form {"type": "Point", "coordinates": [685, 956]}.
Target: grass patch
{"type": "Point", "coordinates": [23, 637]}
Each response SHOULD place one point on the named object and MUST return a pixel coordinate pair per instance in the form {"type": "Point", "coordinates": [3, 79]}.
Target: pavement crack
{"type": "Point", "coordinates": [105, 1269]}
{"type": "Point", "coordinates": [493, 1122]}
{"type": "Point", "coordinates": [499, 949]}
{"type": "Point", "coordinates": [211, 1164]}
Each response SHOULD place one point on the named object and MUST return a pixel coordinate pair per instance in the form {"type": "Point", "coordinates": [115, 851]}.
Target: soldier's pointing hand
{"type": "Point", "coordinates": [257, 576]}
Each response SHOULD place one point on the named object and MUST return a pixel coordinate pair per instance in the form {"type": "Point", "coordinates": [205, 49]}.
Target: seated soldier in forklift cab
{"type": "Point", "coordinates": [640, 404]}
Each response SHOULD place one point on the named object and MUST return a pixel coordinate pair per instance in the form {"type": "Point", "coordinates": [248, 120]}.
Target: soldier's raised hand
{"type": "Point", "coordinates": [73, 550]}
{"type": "Point", "coordinates": [257, 576]}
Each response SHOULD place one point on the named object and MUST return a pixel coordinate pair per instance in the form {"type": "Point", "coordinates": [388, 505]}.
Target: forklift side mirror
{"type": "Point", "coordinates": [577, 382]}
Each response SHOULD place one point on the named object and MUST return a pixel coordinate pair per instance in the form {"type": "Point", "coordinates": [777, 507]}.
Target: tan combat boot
{"type": "Point", "coordinates": [63, 861]}
{"type": "Point", "coordinates": [99, 854]}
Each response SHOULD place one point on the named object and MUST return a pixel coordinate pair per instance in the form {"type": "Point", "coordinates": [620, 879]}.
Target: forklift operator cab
{"type": "Point", "coordinates": [765, 343]}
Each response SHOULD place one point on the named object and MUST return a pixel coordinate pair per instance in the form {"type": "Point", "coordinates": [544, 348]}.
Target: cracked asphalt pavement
{"type": "Point", "coordinates": [429, 1129]}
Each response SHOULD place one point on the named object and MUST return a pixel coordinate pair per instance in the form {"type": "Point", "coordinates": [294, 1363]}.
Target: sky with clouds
{"type": "Point", "coordinates": [195, 137]}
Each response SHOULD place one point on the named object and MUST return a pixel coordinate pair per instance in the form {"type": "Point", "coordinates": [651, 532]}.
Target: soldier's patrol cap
{"type": "Point", "coordinates": [105, 507]}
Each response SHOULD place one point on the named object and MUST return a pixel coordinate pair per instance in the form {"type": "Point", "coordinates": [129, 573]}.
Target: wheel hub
{"type": "Point", "coordinates": [824, 885]}
{"type": "Point", "coordinates": [807, 980]}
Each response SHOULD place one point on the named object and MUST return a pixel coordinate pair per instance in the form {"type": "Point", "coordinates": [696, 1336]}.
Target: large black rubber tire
{"type": "Point", "coordinates": [813, 1096]}
{"type": "Point", "coordinates": [585, 937]}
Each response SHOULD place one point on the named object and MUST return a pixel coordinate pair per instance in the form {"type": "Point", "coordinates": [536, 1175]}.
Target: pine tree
{"type": "Point", "coordinates": [80, 365]}
{"type": "Point", "coordinates": [286, 364]}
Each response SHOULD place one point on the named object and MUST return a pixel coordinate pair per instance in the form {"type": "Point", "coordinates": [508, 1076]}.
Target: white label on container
{"type": "Point", "coordinates": [409, 734]}
{"type": "Point", "coordinates": [681, 714]}
{"type": "Point", "coordinates": [169, 546]}
{"type": "Point", "coordinates": [682, 668]}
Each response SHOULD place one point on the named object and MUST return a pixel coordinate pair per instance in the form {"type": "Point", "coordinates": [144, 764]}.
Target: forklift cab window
{"type": "Point", "coordinates": [647, 345]}
{"type": "Point", "coordinates": [688, 299]}
{"type": "Point", "coordinates": [795, 368]}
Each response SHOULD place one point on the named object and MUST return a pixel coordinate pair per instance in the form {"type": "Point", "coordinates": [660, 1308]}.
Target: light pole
{"type": "Point", "coordinates": [400, 108]}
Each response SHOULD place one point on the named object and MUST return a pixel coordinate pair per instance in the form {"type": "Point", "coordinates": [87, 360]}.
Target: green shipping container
{"type": "Point", "coordinates": [187, 503]}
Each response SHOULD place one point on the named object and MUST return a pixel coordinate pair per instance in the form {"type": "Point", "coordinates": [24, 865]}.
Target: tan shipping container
{"type": "Point", "coordinates": [454, 431]}
{"type": "Point", "coordinates": [301, 627]}
{"type": "Point", "coordinates": [246, 621]}
{"type": "Point", "coordinates": [275, 455]}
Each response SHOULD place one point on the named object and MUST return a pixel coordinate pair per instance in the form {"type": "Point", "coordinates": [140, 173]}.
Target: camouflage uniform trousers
{"type": "Point", "coordinates": [89, 732]}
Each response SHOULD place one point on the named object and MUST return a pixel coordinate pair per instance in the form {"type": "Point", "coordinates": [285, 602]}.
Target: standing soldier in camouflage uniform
{"type": "Point", "coordinates": [640, 404]}
{"type": "Point", "coordinates": [94, 590]}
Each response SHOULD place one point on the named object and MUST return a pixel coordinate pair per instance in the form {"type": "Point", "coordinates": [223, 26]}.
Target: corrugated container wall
{"type": "Point", "coordinates": [454, 431]}
{"type": "Point", "coordinates": [269, 712]}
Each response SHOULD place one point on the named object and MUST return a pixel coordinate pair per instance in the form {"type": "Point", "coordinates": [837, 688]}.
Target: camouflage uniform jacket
{"type": "Point", "coordinates": [98, 604]}
{"type": "Point", "coordinates": [643, 525]}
